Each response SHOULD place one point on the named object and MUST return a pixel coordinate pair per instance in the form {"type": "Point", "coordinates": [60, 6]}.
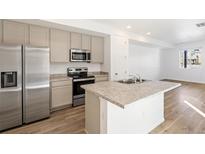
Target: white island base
{"type": "Point", "coordinates": [142, 116]}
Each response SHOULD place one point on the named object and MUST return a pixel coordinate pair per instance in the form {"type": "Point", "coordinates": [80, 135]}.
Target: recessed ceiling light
{"type": "Point", "coordinates": [128, 27]}
{"type": "Point", "coordinates": [148, 33]}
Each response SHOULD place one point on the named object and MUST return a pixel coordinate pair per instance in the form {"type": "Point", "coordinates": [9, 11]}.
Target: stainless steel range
{"type": "Point", "coordinates": [80, 77]}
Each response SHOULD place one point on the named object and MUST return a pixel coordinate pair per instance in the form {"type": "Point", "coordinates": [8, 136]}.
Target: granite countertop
{"type": "Point", "coordinates": [98, 73]}
{"type": "Point", "coordinates": [123, 94]}
{"type": "Point", "coordinates": [59, 77]}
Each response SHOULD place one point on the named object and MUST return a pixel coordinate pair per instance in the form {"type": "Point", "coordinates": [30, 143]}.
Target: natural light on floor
{"type": "Point", "coordinates": [194, 108]}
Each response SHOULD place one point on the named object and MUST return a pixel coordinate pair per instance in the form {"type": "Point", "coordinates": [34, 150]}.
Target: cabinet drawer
{"type": "Point", "coordinates": [61, 83]}
{"type": "Point", "coordinates": [103, 78]}
{"type": "Point", "coordinates": [61, 96]}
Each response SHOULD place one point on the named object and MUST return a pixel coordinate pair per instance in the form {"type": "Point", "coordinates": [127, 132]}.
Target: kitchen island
{"type": "Point", "coordinates": [113, 107]}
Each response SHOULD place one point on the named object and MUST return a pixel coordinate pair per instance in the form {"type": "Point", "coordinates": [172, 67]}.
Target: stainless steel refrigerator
{"type": "Point", "coordinates": [24, 85]}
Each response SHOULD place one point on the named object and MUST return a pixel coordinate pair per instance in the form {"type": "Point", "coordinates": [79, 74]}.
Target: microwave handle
{"type": "Point", "coordinates": [88, 56]}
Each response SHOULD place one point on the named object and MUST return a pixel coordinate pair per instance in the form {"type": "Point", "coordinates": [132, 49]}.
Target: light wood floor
{"type": "Point", "coordinates": [179, 116]}
{"type": "Point", "coordinates": [70, 120]}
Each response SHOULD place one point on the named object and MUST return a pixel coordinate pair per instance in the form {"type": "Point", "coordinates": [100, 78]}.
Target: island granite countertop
{"type": "Point", "coordinates": [123, 94]}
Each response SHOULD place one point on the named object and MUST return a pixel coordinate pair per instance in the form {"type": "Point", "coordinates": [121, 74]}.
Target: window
{"type": "Point", "coordinates": [190, 58]}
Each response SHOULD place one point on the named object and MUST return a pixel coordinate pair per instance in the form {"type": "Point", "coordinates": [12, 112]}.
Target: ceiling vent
{"type": "Point", "coordinates": [201, 24]}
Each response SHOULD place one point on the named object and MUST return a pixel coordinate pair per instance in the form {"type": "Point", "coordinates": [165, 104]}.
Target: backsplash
{"type": "Point", "coordinates": [61, 68]}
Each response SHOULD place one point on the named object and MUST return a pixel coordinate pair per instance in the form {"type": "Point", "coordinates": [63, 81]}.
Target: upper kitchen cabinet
{"type": "Point", "coordinates": [39, 36]}
{"type": "Point", "coordinates": [59, 45]}
{"type": "Point", "coordinates": [97, 48]}
{"type": "Point", "coordinates": [86, 42]}
{"type": "Point", "coordinates": [14, 32]}
{"type": "Point", "coordinates": [76, 40]}
{"type": "Point", "coordinates": [1, 30]}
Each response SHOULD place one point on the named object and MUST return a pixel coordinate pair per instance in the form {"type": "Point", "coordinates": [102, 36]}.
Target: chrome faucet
{"type": "Point", "coordinates": [139, 78]}
{"type": "Point", "coordinates": [136, 77]}
{"type": "Point", "coordinates": [133, 78]}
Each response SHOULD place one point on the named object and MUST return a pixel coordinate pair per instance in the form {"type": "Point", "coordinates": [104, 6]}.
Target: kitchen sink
{"type": "Point", "coordinates": [131, 81]}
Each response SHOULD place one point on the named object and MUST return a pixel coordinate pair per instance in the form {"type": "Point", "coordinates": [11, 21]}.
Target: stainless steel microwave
{"type": "Point", "coordinates": [77, 55]}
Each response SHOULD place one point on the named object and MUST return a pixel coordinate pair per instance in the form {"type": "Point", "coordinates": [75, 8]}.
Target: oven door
{"type": "Point", "coordinates": [78, 56]}
{"type": "Point", "coordinates": [78, 92]}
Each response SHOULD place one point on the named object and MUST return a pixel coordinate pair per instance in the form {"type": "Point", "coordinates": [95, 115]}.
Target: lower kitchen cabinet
{"type": "Point", "coordinates": [61, 94]}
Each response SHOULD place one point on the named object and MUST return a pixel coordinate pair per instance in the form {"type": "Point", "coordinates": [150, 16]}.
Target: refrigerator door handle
{"type": "Point", "coordinates": [23, 83]}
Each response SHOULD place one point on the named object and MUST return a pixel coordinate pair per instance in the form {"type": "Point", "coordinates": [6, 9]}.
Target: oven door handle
{"type": "Point", "coordinates": [88, 79]}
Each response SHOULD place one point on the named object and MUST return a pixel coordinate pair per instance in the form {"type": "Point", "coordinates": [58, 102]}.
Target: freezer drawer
{"type": "Point", "coordinates": [37, 104]}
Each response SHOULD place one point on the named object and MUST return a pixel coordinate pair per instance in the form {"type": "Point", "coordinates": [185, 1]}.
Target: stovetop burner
{"type": "Point", "coordinates": [78, 72]}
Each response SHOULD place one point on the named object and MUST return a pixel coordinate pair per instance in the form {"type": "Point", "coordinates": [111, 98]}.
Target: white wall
{"type": "Point", "coordinates": [61, 68]}
{"type": "Point", "coordinates": [144, 61]}
{"type": "Point", "coordinates": [119, 54]}
{"type": "Point", "coordinates": [170, 64]}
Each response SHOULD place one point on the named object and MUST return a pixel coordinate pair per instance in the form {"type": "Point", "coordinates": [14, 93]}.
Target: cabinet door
{"type": "Point", "coordinates": [76, 40]}
{"type": "Point", "coordinates": [39, 36]}
{"type": "Point", "coordinates": [61, 96]}
{"type": "Point", "coordinates": [59, 45]}
{"type": "Point", "coordinates": [1, 31]}
{"type": "Point", "coordinates": [97, 48]}
{"type": "Point", "coordinates": [86, 42]}
{"type": "Point", "coordinates": [14, 32]}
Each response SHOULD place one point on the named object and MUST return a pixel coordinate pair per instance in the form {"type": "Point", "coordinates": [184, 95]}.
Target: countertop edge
{"type": "Point", "coordinates": [104, 97]}
{"type": "Point", "coordinates": [62, 77]}
{"type": "Point", "coordinates": [123, 106]}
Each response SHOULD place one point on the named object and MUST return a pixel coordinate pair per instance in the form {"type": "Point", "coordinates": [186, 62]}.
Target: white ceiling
{"type": "Point", "coordinates": [174, 31]}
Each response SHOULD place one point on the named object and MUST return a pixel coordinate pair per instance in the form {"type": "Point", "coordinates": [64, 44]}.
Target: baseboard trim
{"type": "Point", "coordinates": [86, 131]}
{"type": "Point", "coordinates": [61, 107]}
{"type": "Point", "coordinates": [182, 81]}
